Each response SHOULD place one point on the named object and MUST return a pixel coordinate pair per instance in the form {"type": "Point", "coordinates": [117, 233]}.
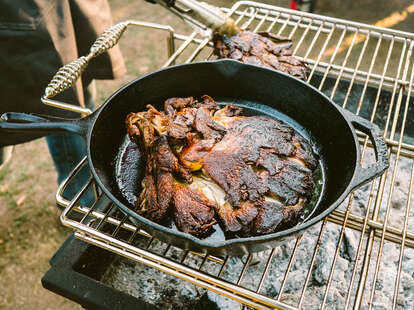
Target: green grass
{"type": "Point", "coordinates": [4, 173]}
{"type": "Point", "coordinates": [19, 220]}
{"type": "Point", "coordinates": [23, 176]}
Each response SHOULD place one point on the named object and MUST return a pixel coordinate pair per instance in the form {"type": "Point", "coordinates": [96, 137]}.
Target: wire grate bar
{"type": "Point", "coordinates": [329, 66]}
{"type": "Point", "coordinates": [316, 36]}
{"type": "Point", "coordinates": [275, 20]}
{"type": "Point", "coordinates": [226, 259]}
{"type": "Point", "coordinates": [388, 209]}
{"type": "Point", "coordinates": [390, 48]}
{"type": "Point", "coordinates": [151, 240]}
{"type": "Point", "coordinates": [304, 20]}
{"type": "Point", "coordinates": [400, 94]}
{"type": "Point", "coordinates": [284, 26]}
{"type": "Point", "coordinates": [301, 40]}
{"type": "Point", "coordinates": [266, 270]}
{"type": "Point", "coordinates": [104, 218]}
{"type": "Point", "coordinates": [262, 20]}
{"type": "Point", "coordinates": [226, 290]}
{"type": "Point", "coordinates": [241, 15]}
{"type": "Point", "coordinates": [317, 19]}
{"type": "Point", "coordinates": [118, 227]}
{"type": "Point", "coordinates": [357, 223]}
{"type": "Point", "coordinates": [315, 252]}
{"type": "Point", "coordinates": [404, 234]}
{"type": "Point", "coordinates": [344, 64]}
{"type": "Point", "coordinates": [400, 259]}
{"type": "Point", "coordinates": [338, 248]}
{"type": "Point", "coordinates": [316, 64]}
{"type": "Point", "coordinates": [293, 30]}
{"type": "Point", "coordinates": [360, 243]}
{"type": "Point", "coordinates": [198, 50]}
{"type": "Point", "coordinates": [203, 262]}
{"type": "Point", "coordinates": [182, 271]}
{"type": "Point", "coordinates": [182, 47]}
{"type": "Point", "coordinates": [251, 19]}
{"type": "Point", "coordinates": [334, 70]}
{"type": "Point", "coordinates": [395, 88]}
{"type": "Point", "coordinates": [361, 55]}
{"type": "Point", "coordinates": [348, 210]}
{"type": "Point", "coordinates": [346, 73]}
{"type": "Point", "coordinates": [289, 267]}
{"type": "Point", "coordinates": [184, 257]}
{"type": "Point", "coordinates": [246, 264]}
{"type": "Point", "coordinates": [374, 58]}
{"type": "Point", "coordinates": [363, 152]}
{"type": "Point", "coordinates": [87, 214]}
{"type": "Point", "coordinates": [167, 249]}
{"type": "Point", "coordinates": [370, 242]}
{"type": "Point", "coordinates": [132, 237]}
{"type": "Point", "coordinates": [354, 222]}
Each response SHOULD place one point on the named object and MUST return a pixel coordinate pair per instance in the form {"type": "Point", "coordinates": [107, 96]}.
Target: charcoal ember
{"type": "Point", "coordinates": [161, 289]}
{"type": "Point", "coordinates": [123, 274]}
{"type": "Point", "coordinates": [261, 49]}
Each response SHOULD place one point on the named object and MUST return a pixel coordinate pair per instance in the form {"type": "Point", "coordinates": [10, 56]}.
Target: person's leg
{"type": "Point", "coordinates": [1, 156]}
{"type": "Point", "coordinates": [67, 150]}
{"type": "Point", "coordinates": [5, 156]}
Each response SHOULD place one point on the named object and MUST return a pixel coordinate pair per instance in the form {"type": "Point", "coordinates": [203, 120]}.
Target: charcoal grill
{"type": "Point", "coordinates": [352, 73]}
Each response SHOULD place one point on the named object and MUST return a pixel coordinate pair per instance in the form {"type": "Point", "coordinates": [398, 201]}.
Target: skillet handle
{"type": "Point", "coordinates": [13, 122]}
{"type": "Point", "coordinates": [364, 175]}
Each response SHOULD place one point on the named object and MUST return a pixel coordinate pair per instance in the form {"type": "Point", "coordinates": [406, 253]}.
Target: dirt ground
{"type": "Point", "coordinates": [30, 231]}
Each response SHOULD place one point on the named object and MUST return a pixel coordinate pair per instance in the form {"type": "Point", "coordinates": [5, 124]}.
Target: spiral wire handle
{"type": "Point", "coordinates": [68, 74]}
{"type": "Point", "coordinates": [206, 18]}
{"type": "Point", "coordinates": [108, 39]}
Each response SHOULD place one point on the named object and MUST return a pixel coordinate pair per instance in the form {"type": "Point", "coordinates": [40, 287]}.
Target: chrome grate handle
{"type": "Point", "coordinates": [69, 74]}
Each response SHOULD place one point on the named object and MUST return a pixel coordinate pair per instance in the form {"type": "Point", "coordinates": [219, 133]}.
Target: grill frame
{"type": "Point", "coordinates": [90, 227]}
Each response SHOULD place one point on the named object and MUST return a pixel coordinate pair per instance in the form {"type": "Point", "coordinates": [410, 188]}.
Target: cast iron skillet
{"type": "Point", "coordinates": [259, 91]}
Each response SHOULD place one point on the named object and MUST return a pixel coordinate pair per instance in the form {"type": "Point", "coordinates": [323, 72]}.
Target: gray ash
{"type": "Point", "coordinates": [168, 292]}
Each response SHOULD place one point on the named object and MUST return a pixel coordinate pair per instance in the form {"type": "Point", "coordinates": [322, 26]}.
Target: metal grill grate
{"type": "Point", "coordinates": [365, 69]}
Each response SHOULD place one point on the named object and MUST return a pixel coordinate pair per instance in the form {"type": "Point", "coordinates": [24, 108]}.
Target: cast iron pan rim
{"type": "Point", "coordinates": [230, 242]}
